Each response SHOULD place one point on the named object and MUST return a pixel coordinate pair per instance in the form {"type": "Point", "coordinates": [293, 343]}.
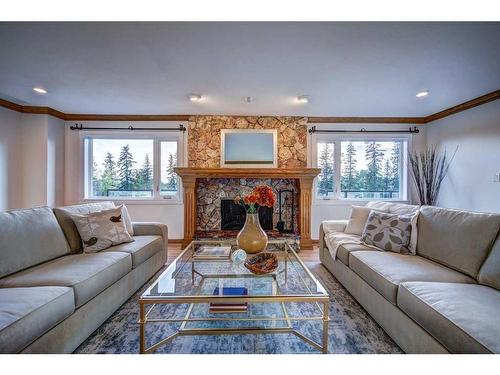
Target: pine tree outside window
{"type": "Point", "coordinates": [131, 167]}
{"type": "Point", "coordinates": [326, 180]}
{"type": "Point", "coordinates": [361, 168]}
{"type": "Point", "coordinates": [169, 180]}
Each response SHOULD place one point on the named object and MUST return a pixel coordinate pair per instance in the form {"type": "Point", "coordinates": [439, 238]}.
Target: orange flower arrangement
{"type": "Point", "coordinates": [261, 195]}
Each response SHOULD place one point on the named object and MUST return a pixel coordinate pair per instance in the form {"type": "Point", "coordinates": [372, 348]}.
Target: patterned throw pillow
{"type": "Point", "coordinates": [100, 230]}
{"type": "Point", "coordinates": [387, 231]}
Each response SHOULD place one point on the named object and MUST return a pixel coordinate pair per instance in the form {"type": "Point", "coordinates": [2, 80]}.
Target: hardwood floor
{"type": "Point", "coordinates": [306, 255]}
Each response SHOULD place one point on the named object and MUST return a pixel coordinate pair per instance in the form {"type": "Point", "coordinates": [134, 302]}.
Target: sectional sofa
{"type": "Point", "coordinates": [53, 296]}
{"type": "Point", "coordinates": [444, 299]}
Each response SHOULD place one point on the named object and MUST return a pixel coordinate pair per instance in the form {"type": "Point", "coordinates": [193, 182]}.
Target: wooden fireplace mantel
{"type": "Point", "coordinates": [304, 177]}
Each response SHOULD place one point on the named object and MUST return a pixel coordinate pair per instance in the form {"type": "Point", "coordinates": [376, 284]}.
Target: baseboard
{"type": "Point", "coordinates": [175, 241]}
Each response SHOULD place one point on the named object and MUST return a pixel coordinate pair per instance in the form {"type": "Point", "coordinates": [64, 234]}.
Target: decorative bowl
{"type": "Point", "coordinates": [262, 263]}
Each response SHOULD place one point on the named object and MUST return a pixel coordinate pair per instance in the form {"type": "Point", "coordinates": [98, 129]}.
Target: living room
{"type": "Point", "coordinates": [205, 187]}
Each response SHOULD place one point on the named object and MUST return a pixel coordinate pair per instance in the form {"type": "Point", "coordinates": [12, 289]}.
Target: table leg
{"type": "Point", "coordinates": [141, 328]}
{"type": "Point", "coordinates": [326, 306]}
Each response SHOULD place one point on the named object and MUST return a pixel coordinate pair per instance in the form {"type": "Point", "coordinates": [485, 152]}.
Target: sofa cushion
{"type": "Point", "coordinates": [29, 237]}
{"type": "Point", "coordinates": [87, 274]}
{"type": "Point", "coordinates": [143, 248]}
{"type": "Point", "coordinates": [384, 271]}
{"type": "Point", "coordinates": [344, 250]}
{"type": "Point", "coordinates": [463, 317]}
{"type": "Point", "coordinates": [27, 313]}
{"type": "Point", "coordinates": [341, 244]}
{"type": "Point", "coordinates": [393, 208]}
{"type": "Point", "coordinates": [490, 270]}
{"type": "Point", "coordinates": [457, 239]}
{"type": "Point", "coordinates": [63, 215]}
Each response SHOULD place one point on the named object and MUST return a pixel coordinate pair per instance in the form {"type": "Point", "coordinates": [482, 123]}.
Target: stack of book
{"type": "Point", "coordinates": [225, 308]}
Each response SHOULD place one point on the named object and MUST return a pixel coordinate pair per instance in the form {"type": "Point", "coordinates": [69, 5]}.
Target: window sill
{"type": "Point", "coordinates": [129, 201]}
{"type": "Point", "coordinates": [350, 202]}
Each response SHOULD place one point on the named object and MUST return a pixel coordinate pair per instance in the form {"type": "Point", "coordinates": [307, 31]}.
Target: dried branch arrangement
{"type": "Point", "coordinates": [428, 170]}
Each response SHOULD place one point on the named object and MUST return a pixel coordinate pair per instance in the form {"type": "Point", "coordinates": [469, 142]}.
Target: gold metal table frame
{"type": "Point", "coordinates": [321, 300]}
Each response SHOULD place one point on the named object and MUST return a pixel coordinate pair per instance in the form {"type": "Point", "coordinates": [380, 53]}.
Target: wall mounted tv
{"type": "Point", "coordinates": [249, 148]}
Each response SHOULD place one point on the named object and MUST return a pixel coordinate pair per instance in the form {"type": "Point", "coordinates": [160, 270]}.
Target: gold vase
{"type": "Point", "coordinates": [252, 237]}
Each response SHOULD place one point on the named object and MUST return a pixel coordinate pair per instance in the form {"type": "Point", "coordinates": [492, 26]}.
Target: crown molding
{"type": "Point", "coordinates": [366, 120]}
{"type": "Point", "coordinates": [494, 95]}
{"type": "Point", "coordinates": [96, 117]}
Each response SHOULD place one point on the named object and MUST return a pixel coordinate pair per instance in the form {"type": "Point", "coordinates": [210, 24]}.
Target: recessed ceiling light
{"type": "Point", "coordinates": [303, 99]}
{"type": "Point", "coordinates": [39, 90]}
{"type": "Point", "coordinates": [422, 94]}
{"type": "Point", "coordinates": [194, 97]}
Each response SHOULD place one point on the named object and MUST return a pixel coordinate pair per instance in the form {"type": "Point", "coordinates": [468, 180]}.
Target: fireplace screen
{"type": "Point", "coordinates": [233, 216]}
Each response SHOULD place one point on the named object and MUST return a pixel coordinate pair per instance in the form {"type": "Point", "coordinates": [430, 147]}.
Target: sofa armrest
{"type": "Point", "coordinates": [334, 225]}
{"type": "Point", "coordinates": [152, 229]}
{"type": "Point", "coordinates": [326, 227]}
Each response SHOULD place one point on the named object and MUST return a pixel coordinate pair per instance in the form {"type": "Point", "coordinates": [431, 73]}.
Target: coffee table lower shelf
{"type": "Point", "coordinates": [183, 331]}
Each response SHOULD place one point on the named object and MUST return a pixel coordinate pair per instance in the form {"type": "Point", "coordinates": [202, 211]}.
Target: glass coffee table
{"type": "Point", "coordinates": [288, 300]}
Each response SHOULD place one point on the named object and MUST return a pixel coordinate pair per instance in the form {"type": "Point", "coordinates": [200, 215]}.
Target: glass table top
{"type": "Point", "coordinates": [191, 276]}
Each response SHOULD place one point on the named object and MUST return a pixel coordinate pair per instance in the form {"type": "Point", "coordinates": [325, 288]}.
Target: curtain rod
{"type": "Point", "coordinates": [181, 128]}
{"type": "Point", "coordinates": [413, 130]}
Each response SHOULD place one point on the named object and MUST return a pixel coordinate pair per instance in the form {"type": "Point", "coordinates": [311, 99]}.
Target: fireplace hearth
{"type": "Point", "coordinates": [233, 216]}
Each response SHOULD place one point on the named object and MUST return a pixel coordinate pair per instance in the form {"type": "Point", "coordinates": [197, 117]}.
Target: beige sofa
{"type": "Point", "coordinates": [53, 296]}
{"type": "Point", "coordinates": [445, 299]}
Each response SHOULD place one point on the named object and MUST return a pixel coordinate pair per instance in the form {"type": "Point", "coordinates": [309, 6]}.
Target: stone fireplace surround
{"type": "Point", "coordinates": [210, 192]}
{"type": "Point", "coordinates": [193, 178]}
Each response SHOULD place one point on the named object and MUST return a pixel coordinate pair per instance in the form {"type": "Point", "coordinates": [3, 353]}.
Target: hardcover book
{"type": "Point", "coordinates": [225, 307]}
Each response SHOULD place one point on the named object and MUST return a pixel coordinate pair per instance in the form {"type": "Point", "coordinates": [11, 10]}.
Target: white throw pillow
{"type": "Point", "coordinates": [412, 247]}
{"type": "Point", "coordinates": [357, 221]}
{"type": "Point", "coordinates": [100, 230]}
{"type": "Point", "coordinates": [127, 220]}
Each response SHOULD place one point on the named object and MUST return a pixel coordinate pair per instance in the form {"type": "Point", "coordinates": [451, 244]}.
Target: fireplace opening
{"type": "Point", "coordinates": [233, 216]}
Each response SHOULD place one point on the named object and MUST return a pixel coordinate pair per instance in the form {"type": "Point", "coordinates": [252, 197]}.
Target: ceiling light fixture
{"type": "Point", "coordinates": [194, 97]}
{"type": "Point", "coordinates": [303, 99]}
{"type": "Point", "coordinates": [39, 90]}
{"type": "Point", "coordinates": [422, 94]}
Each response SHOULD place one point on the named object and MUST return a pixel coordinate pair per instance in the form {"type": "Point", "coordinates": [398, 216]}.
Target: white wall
{"type": "Point", "coordinates": [34, 159]}
{"type": "Point", "coordinates": [31, 160]}
{"type": "Point", "coordinates": [340, 210]}
{"type": "Point", "coordinates": [10, 159]}
{"type": "Point", "coordinates": [169, 213]}
{"type": "Point", "coordinates": [470, 182]}
{"type": "Point", "coordinates": [55, 161]}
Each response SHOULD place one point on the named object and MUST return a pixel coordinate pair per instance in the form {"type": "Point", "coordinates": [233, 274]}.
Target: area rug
{"type": "Point", "coordinates": [351, 330]}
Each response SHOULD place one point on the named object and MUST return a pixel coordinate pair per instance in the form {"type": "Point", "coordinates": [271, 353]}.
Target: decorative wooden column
{"type": "Point", "coordinates": [305, 202]}
{"type": "Point", "coordinates": [189, 187]}
{"type": "Point", "coordinates": [304, 177]}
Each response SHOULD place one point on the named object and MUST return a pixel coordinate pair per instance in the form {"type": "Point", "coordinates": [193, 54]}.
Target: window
{"type": "Point", "coordinates": [360, 169]}
{"type": "Point", "coordinates": [130, 168]}
{"type": "Point", "coordinates": [326, 162]}
{"type": "Point", "coordinates": [169, 180]}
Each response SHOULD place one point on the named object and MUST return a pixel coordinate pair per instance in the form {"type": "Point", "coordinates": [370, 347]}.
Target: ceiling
{"type": "Point", "coordinates": [347, 69]}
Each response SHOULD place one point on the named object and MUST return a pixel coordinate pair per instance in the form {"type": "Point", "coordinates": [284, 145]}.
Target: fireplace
{"type": "Point", "coordinates": [205, 189]}
{"type": "Point", "coordinates": [233, 216]}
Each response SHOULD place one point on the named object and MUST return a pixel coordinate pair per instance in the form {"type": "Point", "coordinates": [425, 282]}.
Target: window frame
{"type": "Point", "coordinates": [86, 138]}
{"type": "Point", "coordinates": [337, 139]}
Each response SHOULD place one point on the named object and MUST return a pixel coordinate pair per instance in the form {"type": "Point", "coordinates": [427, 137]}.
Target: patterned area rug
{"type": "Point", "coordinates": [351, 330]}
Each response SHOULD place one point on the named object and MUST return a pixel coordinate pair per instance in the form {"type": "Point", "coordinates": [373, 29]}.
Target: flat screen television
{"type": "Point", "coordinates": [249, 148]}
